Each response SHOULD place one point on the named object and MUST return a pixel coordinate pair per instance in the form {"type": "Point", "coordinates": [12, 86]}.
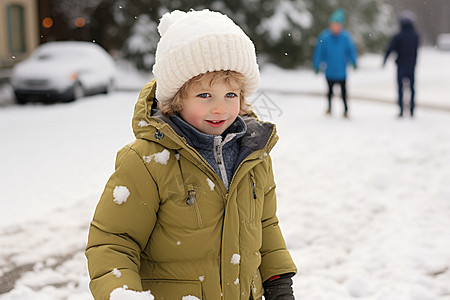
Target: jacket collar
{"type": "Point", "coordinates": [200, 140]}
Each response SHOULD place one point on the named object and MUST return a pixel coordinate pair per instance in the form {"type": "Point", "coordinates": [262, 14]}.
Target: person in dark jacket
{"type": "Point", "coordinates": [334, 50]}
{"type": "Point", "coordinates": [405, 44]}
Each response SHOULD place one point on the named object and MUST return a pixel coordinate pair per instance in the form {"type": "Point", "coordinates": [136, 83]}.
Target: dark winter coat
{"type": "Point", "coordinates": [404, 44]}
{"type": "Point", "coordinates": [335, 52]}
{"type": "Point", "coordinates": [180, 232]}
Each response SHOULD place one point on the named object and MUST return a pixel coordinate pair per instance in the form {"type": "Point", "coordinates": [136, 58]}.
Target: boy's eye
{"type": "Point", "coordinates": [231, 95]}
{"type": "Point", "coordinates": [203, 95]}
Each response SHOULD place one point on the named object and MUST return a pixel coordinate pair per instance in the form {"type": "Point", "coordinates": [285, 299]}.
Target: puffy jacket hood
{"type": "Point", "coordinates": [148, 123]}
{"type": "Point", "coordinates": [406, 24]}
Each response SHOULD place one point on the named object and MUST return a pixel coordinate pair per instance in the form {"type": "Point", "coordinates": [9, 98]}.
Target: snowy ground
{"type": "Point", "coordinates": [364, 203]}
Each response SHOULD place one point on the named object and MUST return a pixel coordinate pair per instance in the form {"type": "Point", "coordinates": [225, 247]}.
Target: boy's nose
{"type": "Point", "coordinates": [219, 108]}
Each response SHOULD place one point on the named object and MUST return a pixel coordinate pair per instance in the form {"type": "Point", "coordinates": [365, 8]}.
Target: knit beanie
{"type": "Point", "coordinates": [338, 16]}
{"type": "Point", "coordinates": [196, 42]}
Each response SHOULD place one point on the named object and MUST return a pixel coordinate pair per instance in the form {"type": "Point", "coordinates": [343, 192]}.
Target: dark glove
{"type": "Point", "coordinates": [279, 288]}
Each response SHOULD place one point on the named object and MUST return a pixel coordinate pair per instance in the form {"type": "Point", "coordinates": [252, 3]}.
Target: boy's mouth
{"type": "Point", "coordinates": [215, 123]}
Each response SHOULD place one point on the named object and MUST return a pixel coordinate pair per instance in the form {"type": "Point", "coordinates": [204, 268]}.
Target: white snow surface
{"type": "Point", "coordinates": [364, 204]}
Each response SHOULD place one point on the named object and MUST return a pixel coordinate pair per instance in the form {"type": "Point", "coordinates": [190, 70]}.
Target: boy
{"type": "Point", "coordinates": [190, 209]}
{"type": "Point", "coordinates": [335, 48]}
{"type": "Point", "coordinates": [405, 44]}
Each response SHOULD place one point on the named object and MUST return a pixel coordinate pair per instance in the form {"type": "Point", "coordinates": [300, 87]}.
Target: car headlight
{"type": "Point", "coordinates": [73, 76]}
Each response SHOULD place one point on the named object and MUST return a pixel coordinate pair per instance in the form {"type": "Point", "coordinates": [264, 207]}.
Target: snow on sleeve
{"type": "Point", "coordinates": [124, 294]}
{"type": "Point", "coordinates": [235, 259]}
{"type": "Point", "coordinates": [201, 278]}
{"type": "Point", "coordinates": [236, 282]}
{"type": "Point", "coordinates": [117, 273]}
{"type": "Point", "coordinates": [121, 194]}
{"type": "Point", "coordinates": [189, 297]}
{"type": "Point", "coordinates": [143, 123]}
{"type": "Point", "coordinates": [160, 157]}
{"type": "Point", "coordinates": [211, 184]}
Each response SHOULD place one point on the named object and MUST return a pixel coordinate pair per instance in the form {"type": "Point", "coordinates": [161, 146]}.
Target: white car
{"type": "Point", "coordinates": [63, 71]}
{"type": "Point", "coordinates": [443, 41]}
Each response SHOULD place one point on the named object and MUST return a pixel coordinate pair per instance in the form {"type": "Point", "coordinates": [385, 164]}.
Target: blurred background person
{"type": "Point", "coordinates": [405, 44]}
{"type": "Point", "coordinates": [334, 50]}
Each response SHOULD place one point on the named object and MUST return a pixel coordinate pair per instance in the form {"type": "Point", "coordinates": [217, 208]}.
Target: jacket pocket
{"type": "Point", "coordinates": [172, 289]}
{"type": "Point", "coordinates": [256, 286]}
{"type": "Point", "coordinates": [192, 201]}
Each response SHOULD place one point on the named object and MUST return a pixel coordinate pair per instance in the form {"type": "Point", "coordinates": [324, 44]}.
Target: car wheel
{"type": "Point", "coordinates": [21, 99]}
{"type": "Point", "coordinates": [110, 87]}
{"type": "Point", "coordinates": [77, 92]}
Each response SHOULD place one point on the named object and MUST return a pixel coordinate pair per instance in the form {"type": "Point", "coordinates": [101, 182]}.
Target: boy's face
{"type": "Point", "coordinates": [335, 28]}
{"type": "Point", "coordinates": [211, 108]}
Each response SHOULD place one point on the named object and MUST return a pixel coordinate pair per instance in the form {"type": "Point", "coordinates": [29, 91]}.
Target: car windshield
{"type": "Point", "coordinates": [59, 54]}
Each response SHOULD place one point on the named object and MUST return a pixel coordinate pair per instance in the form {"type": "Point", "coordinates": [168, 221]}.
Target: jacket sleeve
{"type": "Point", "coordinates": [391, 47]}
{"type": "Point", "coordinates": [352, 51]}
{"type": "Point", "coordinates": [318, 55]}
{"type": "Point", "coordinates": [275, 258]}
{"type": "Point", "coordinates": [123, 221]}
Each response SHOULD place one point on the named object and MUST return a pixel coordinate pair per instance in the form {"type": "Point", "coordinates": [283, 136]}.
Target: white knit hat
{"type": "Point", "coordinates": [196, 42]}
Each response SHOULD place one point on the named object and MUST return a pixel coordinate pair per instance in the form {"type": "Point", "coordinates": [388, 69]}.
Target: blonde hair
{"type": "Point", "coordinates": [175, 106]}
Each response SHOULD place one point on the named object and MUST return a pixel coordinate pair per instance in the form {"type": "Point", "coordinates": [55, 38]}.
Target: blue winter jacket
{"type": "Point", "coordinates": [334, 52]}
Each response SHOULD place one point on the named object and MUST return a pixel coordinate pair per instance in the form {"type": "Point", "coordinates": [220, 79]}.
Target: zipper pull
{"type": "Point", "coordinates": [191, 197]}
{"type": "Point", "coordinates": [254, 190]}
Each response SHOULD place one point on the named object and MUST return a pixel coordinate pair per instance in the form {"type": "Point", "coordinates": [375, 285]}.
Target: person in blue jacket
{"type": "Point", "coordinates": [334, 50]}
{"type": "Point", "coordinates": [405, 44]}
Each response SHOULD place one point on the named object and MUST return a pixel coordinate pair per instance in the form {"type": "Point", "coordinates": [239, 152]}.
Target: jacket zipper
{"type": "Point", "coordinates": [252, 201]}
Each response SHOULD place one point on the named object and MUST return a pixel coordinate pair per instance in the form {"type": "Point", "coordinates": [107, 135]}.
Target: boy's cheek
{"type": "Point", "coordinates": [236, 109]}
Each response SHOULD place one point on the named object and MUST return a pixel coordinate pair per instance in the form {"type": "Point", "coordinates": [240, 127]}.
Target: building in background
{"type": "Point", "coordinates": [19, 31]}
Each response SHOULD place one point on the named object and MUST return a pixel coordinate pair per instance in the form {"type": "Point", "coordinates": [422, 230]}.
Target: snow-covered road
{"type": "Point", "coordinates": [364, 203]}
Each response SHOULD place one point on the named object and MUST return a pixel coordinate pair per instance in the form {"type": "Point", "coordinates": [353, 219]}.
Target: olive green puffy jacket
{"type": "Point", "coordinates": [166, 223]}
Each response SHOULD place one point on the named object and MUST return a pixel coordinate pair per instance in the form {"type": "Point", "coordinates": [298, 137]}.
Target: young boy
{"type": "Point", "coordinates": [191, 206]}
{"type": "Point", "coordinates": [335, 49]}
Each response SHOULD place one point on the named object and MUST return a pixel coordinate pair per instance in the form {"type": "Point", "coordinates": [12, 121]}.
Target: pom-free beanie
{"type": "Point", "coordinates": [196, 42]}
{"type": "Point", "coordinates": [338, 16]}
